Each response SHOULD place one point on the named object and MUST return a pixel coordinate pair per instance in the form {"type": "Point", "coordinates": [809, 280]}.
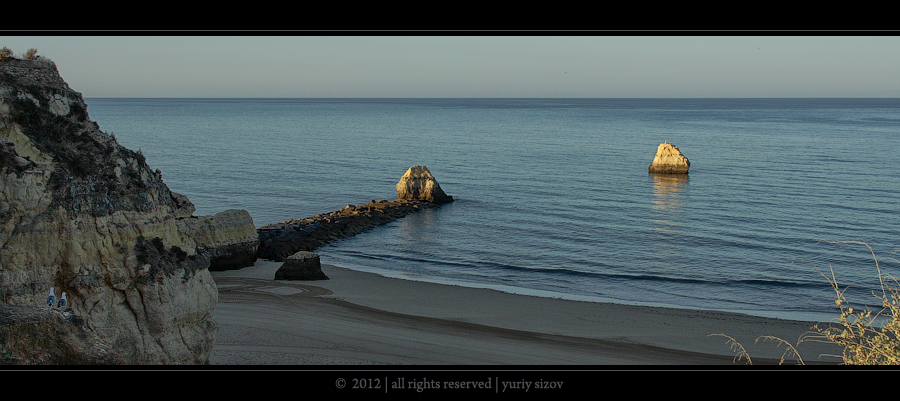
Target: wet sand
{"type": "Point", "coordinates": [363, 319]}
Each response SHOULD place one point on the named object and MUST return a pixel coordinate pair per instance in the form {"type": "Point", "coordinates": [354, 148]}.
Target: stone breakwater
{"type": "Point", "coordinates": [279, 241]}
{"type": "Point", "coordinates": [416, 190]}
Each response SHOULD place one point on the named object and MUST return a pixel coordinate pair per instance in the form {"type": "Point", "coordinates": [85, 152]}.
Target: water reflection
{"type": "Point", "coordinates": [417, 228]}
{"type": "Point", "coordinates": [669, 191]}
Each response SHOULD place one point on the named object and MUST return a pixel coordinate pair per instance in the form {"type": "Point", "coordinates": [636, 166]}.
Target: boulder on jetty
{"type": "Point", "coordinates": [301, 266]}
{"type": "Point", "coordinates": [669, 160]}
{"type": "Point", "coordinates": [419, 184]}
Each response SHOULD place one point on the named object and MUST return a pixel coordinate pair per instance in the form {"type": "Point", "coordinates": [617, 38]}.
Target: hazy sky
{"type": "Point", "coordinates": [473, 66]}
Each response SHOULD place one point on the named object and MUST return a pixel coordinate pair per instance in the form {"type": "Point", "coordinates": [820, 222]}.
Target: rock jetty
{"type": "Point", "coordinates": [669, 160]}
{"type": "Point", "coordinates": [278, 241]}
{"type": "Point", "coordinates": [84, 215]}
{"type": "Point", "coordinates": [416, 191]}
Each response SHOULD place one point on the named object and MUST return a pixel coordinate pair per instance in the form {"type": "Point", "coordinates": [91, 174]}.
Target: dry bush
{"type": "Point", "coordinates": [868, 337]}
{"type": "Point", "coordinates": [31, 54]}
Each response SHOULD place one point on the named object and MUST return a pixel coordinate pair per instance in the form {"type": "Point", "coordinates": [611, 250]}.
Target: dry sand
{"type": "Point", "coordinates": [363, 319]}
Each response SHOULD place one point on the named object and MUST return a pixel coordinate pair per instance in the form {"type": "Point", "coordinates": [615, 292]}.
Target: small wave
{"type": "Point", "coordinates": [559, 276]}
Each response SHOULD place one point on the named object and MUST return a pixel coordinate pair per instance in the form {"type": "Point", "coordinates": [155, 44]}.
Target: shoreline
{"type": "Point", "coordinates": [358, 318]}
{"type": "Point", "coordinates": [782, 315]}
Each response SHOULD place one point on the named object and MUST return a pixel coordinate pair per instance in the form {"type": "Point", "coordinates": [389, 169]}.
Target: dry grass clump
{"type": "Point", "coordinates": [31, 54]}
{"type": "Point", "coordinates": [741, 352]}
{"type": "Point", "coordinates": [868, 337]}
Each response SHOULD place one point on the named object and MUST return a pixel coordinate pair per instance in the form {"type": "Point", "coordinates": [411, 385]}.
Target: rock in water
{"type": "Point", "coordinates": [419, 184]}
{"type": "Point", "coordinates": [301, 266]}
{"type": "Point", "coordinates": [669, 160]}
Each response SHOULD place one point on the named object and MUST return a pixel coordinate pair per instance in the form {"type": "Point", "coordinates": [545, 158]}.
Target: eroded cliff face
{"type": "Point", "coordinates": [83, 214]}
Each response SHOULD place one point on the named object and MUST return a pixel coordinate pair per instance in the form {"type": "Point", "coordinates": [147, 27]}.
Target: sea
{"type": "Point", "coordinates": [553, 197]}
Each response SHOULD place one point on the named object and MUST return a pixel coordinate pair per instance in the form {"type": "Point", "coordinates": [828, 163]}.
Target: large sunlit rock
{"type": "Point", "coordinates": [419, 184]}
{"type": "Point", "coordinates": [669, 160]}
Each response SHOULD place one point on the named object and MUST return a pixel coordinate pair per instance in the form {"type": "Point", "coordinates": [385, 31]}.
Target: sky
{"type": "Point", "coordinates": [511, 66]}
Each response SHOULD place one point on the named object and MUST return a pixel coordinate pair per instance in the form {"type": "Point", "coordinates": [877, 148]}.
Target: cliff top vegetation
{"type": "Point", "coordinates": [31, 54]}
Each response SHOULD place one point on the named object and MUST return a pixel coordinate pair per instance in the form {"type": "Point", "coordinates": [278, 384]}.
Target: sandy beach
{"type": "Point", "coordinates": [362, 319]}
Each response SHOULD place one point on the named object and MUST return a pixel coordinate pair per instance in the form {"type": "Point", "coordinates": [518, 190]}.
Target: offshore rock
{"type": "Point", "coordinates": [669, 160]}
{"type": "Point", "coordinates": [419, 184]}
{"type": "Point", "coordinates": [301, 266]}
{"type": "Point", "coordinates": [87, 216]}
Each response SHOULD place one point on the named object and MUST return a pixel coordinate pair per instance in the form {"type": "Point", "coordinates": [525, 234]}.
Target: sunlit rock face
{"type": "Point", "coordinates": [87, 216]}
{"type": "Point", "coordinates": [418, 184]}
{"type": "Point", "coordinates": [669, 160]}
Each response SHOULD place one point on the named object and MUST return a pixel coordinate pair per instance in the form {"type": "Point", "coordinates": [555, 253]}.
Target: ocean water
{"type": "Point", "coordinates": [553, 196]}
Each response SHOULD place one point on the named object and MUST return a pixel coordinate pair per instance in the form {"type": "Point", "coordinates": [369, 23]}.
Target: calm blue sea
{"type": "Point", "coordinates": [553, 195]}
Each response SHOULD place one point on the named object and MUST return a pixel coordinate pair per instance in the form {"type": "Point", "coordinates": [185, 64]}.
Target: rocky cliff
{"type": "Point", "coordinates": [83, 214]}
{"type": "Point", "coordinates": [32, 335]}
{"type": "Point", "coordinates": [669, 160]}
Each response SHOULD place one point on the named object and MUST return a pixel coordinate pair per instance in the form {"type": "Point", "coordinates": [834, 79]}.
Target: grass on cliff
{"type": "Point", "coordinates": [31, 54]}
{"type": "Point", "coordinates": [868, 337]}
